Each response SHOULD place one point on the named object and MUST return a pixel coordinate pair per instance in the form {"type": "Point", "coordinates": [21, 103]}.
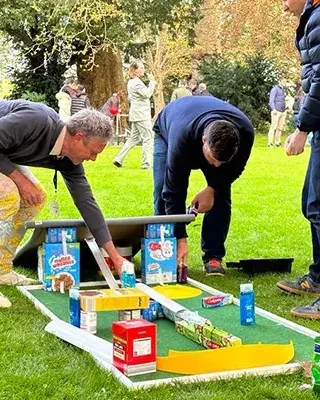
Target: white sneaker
{"type": "Point", "coordinates": [13, 278]}
{"type": "Point", "coordinates": [4, 302]}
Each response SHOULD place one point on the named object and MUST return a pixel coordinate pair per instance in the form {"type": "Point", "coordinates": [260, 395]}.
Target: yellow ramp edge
{"type": "Point", "coordinates": [226, 358]}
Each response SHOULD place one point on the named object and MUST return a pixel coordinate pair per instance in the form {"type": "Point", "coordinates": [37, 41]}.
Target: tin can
{"type": "Point", "coordinates": [182, 273]}
{"type": "Point", "coordinates": [88, 321]}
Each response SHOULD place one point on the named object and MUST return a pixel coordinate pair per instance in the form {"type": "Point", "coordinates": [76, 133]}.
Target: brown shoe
{"type": "Point", "coordinates": [303, 285]}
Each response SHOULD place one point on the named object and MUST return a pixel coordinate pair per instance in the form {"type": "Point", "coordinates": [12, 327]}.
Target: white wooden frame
{"type": "Point", "coordinates": [104, 359]}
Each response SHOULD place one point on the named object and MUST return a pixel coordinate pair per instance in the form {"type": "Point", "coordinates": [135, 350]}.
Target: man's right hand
{"type": "Point", "coordinates": [29, 193]}
{"type": "Point", "coordinates": [182, 250]}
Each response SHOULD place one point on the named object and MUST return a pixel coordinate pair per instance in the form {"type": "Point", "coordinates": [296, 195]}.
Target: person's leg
{"type": "Point", "coordinates": [215, 229]}
{"type": "Point", "coordinates": [280, 126]}
{"type": "Point", "coordinates": [133, 140]}
{"type": "Point", "coordinates": [310, 283]}
{"type": "Point", "coordinates": [13, 214]}
{"type": "Point", "coordinates": [159, 165]}
{"type": "Point", "coordinates": [146, 134]}
{"type": "Point", "coordinates": [272, 129]}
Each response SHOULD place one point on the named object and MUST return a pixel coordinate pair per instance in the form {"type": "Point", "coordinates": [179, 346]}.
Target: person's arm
{"type": "Point", "coordinates": [16, 129]}
{"type": "Point", "coordinates": [91, 213]}
{"type": "Point", "coordinates": [309, 115]}
{"type": "Point", "coordinates": [143, 90]}
{"type": "Point", "coordinates": [176, 184]}
{"type": "Point", "coordinates": [173, 96]}
{"type": "Point", "coordinates": [272, 98]}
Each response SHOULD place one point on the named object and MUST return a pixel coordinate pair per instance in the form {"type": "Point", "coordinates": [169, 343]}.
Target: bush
{"type": "Point", "coordinates": [34, 96]}
{"type": "Point", "coordinates": [245, 84]}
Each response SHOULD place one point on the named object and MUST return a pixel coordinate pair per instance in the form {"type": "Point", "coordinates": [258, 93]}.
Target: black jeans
{"type": "Point", "coordinates": [311, 203]}
{"type": "Point", "coordinates": [216, 222]}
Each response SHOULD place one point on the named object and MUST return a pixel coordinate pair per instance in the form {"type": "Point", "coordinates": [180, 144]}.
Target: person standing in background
{"type": "Point", "coordinates": [202, 90]}
{"type": "Point", "coordinates": [113, 105]}
{"type": "Point", "coordinates": [139, 115]}
{"type": "Point", "coordinates": [180, 91]}
{"type": "Point", "coordinates": [80, 100]}
{"type": "Point", "coordinates": [277, 103]}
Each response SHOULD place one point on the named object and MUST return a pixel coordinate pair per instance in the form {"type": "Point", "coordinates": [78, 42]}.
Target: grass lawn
{"type": "Point", "coordinates": [266, 222]}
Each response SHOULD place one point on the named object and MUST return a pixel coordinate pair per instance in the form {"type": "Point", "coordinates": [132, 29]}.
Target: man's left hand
{"type": "Point", "coordinates": [295, 143]}
{"type": "Point", "coordinates": [204, 200]}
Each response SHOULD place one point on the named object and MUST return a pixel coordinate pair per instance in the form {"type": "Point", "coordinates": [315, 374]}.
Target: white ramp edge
{"type": "Point", "coordinates": [97, 347]}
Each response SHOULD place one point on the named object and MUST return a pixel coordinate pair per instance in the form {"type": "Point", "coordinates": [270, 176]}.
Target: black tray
{"type": "Point", "coordinates": [259, 265]}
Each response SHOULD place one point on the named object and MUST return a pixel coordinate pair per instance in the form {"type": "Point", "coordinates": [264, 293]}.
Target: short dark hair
{"type": "Point", "coordinates": [223, 139]}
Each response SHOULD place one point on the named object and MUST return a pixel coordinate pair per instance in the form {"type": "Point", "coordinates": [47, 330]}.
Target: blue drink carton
{"type": "Point", "coordinates": [154, 231]}
{"type": "Point", "coordinates": [158, 261]}
{"type": "Point", "coordinates": [59, 266]}
{"type": "Point", "coordinates": [54, 235]}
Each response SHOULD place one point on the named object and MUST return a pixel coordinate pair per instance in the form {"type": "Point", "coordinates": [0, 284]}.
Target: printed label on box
{"type": "Point", "coordinates": [59, 271]}
{"type": "Point", "coordinates": [142, 347]}
{"type": "Point", "coordinates": [158, 261]}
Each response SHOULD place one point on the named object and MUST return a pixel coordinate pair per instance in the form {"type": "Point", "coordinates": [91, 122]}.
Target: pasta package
{"type": "Point", "coordinates": [59, 266]}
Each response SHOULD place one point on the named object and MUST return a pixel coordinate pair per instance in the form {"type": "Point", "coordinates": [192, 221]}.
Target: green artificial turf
{"type": "Point", "coordinates": [226, 318]}
{"type": "Point", "coordinates": [266, 222]}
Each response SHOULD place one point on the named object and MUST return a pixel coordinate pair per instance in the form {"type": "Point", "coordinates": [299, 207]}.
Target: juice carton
{"type": "Point", "coordinates": [54, 235]}
{"type": "Point", "coordinates": [158, 261]}
{"type": "Point", "coordinates": [156, 231]}
{"type": "Point", "coordinates": [59, 266]}
{"type": "Point", "coordinates": [134, 346]}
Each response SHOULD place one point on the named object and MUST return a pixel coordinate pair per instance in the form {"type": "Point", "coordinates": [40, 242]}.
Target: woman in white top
{"type": "Point", "coordinates": [139, 115]}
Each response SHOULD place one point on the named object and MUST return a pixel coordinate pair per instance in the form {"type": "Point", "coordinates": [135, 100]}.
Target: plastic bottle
{"type": "Point", "coordinates": [247, 314]}
{"type": "Point", "coordinates": [74, 307]}
{"type": "Point", "coordinates": [315, 367]}
{"type": "Point", "coordinates": [128, 278]}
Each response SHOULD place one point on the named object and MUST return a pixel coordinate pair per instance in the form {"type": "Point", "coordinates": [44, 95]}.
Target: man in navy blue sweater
{"type": "Point", "coordinates": [208, 134]}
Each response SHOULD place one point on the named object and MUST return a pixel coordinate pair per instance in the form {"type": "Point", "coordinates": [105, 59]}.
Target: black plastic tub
{"type": "Point", "coordinates": [259, 265]}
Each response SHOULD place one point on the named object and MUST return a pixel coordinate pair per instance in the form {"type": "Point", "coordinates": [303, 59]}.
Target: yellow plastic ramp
{"type": "Point", "coordinates": [226, 358]}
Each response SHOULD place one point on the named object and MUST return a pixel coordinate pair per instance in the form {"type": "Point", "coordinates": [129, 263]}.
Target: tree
{"type": "Point", "coordinates": [245, 84]}
{"type": "Point", "coordinates": [239, 28]}
{"type": "Point", "coordinates": [168, 57]}
{"type": "Point", "coordinates": [91, 31]}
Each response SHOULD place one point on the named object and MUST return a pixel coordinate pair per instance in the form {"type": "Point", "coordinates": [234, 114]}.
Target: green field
{"type": "Point", "coordinates": [266, 222]}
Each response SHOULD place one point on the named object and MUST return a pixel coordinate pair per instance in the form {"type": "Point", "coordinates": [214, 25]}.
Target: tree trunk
{"type": "Point", "coordinates": [104, 78]}
{"type": "Point", "coordinates": [158, 97]}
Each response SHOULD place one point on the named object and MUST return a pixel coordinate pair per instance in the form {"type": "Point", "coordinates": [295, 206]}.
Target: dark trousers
{"type": "Point", "coordinates": [311, 203]}
{"type": "Point", "coordinates": [216, 222]}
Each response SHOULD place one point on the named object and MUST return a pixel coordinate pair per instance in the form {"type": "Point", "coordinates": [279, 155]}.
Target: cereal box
{"type": "Point", "coordinates": [113, 299]}
{"type": "Point", "coordinates": [59, 266]}
{"type": "Point", "coordinates": [156, 231]}
{"type": "Point", "coordinates": [158, 261]}
{"type": "Point", "coordinates": [54, 235]}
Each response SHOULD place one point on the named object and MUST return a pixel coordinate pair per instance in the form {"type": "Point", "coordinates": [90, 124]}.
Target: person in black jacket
{"type": "Point", "coordinates": [200, 132]}
{"type": "Point", "coordinates": [308, 45]}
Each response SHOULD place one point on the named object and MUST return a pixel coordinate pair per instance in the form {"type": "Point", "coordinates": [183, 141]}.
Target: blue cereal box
{"type": "Point", "coordinates": [54, 235]}
{"type": "Point", "coordinates": [59, 266]}
{"type": "Point", "coordinates": [158, 260]}
{"type": "Point", "coordinates": [156, 231]}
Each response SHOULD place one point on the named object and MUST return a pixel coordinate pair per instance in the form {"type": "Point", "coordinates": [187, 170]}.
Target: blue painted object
{"type": "Point", "coordinates": [74, 307]}
{"type": "Point", "coordinates": [247, 313]}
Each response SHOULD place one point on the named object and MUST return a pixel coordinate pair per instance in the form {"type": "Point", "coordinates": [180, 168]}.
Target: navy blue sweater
{"type": "Point", "coordinates": [181, 124]}
{"type": "Point", "coordinates": [308, 44]}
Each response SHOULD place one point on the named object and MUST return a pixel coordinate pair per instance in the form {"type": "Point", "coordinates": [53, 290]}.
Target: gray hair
{"type": "Point", "coordinates": [202, 86]}
{"type": "Point", "coordinates": [92, 123]}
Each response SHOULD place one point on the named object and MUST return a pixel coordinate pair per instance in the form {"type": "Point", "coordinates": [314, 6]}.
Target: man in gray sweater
{"type": "Point", "coordinates": [32, 134]}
